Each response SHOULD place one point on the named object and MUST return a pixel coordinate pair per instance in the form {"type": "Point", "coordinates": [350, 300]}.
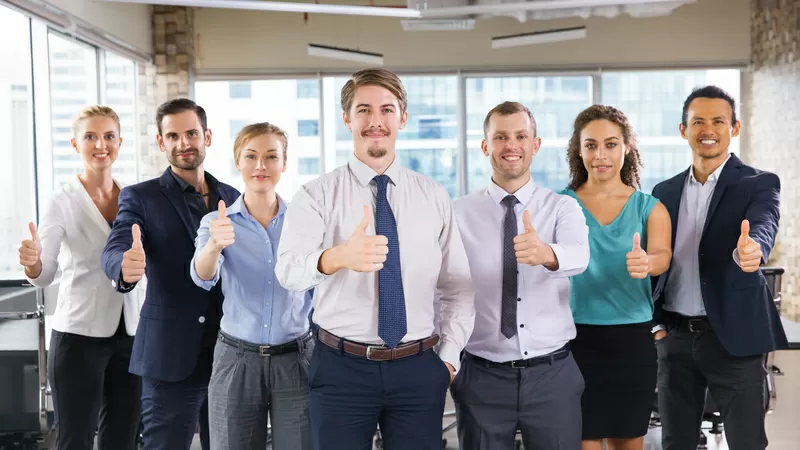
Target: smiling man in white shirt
{"type": "Point", "coordinates": [377, 241]}
{"type": "Point", "coordinates": [523, 241]}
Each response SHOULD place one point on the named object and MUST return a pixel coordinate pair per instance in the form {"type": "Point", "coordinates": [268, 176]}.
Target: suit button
{"type": "Point", "coordinates": [201, 319]}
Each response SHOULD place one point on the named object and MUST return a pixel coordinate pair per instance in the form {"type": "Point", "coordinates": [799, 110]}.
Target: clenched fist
{"type": "Point", "coordinates": [749, 251]}
{"type": "Point", "coordinates": [221, 230]}
{"type": "Point", "coordinates": [133, 261]}
{"type": "Point", "coordinates": [638, 262]}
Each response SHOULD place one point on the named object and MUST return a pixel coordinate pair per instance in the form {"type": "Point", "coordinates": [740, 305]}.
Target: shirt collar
{"type": "Point", "coordinates": [238, 207]}
{"type": "Point", "coordinates": [714, 175]}
{"type": "Point", "coordinates": [365, 174]}
{"type": "Point", "coordinates": [523, 194]}
{"type": "Point", "coordinates": [210, 181]}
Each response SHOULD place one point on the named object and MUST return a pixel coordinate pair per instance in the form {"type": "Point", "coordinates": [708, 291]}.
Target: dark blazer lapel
{"type": "Point", "coordinates": [173, 191]}
{"type": "Point", "coordinates": [728, 175]}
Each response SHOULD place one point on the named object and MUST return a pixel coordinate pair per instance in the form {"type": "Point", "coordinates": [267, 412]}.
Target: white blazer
{"type": "Point", "coordinates": [73, 233]}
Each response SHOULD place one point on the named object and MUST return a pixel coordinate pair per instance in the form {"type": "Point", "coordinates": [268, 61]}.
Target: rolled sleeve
{"type": "Point", "coordinates": [571, 245]}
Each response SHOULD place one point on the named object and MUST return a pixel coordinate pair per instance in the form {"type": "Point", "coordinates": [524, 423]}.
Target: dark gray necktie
{"type": "Point", "coordinates": [508, 316]}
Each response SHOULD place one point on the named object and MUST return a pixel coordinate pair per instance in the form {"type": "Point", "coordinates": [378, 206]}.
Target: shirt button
{"type": "Point", "coordinates": [269, 282]}
{"type": "Point", "coordinates": [265, 325]}
{"type": "Point", "coordinates": [202, 319]}
{"type": "Point", "coordinates": [267, 241]}
{"type": "Point", "coordinates": [519, 299]}
{"type": "Point", "coordinates": [526, 353]}
{"type": "Point", "coordinates": [269, 261]}
{"type": "Point", "coordinates": [522, 326]}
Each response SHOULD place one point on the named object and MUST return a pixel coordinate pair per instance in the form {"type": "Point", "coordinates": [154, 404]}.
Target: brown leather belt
{"type": "Point", "coordinates": [378, 352]}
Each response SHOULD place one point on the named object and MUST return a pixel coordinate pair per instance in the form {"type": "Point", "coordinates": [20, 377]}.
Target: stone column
{"type": "Point", "coordinates": [773, 119]}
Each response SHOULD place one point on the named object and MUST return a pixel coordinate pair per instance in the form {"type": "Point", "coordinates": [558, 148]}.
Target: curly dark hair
{"type": "Point", "coordinates": [630, 166]}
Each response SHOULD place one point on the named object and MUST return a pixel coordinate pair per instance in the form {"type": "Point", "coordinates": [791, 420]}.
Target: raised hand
{"type": "Point", "coordinates": [30, 251]}
{"type": "Point", "coordinates": [221, 230]}
{"type": "Point", "coordinates": [528, 248]}
{"type": "Point", "coordinates": [638, 262]}
{"type": "Point", "coordinates": [749, 250]}
{"type": "Point", "coordinates": [362, 252]}
{"type": "Point", "coordinates": [133, 261]}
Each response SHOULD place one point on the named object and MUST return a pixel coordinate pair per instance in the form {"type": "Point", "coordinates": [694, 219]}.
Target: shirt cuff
{"type": "Point", "coordinates": [449, 353]}
{"type": "Point", "coordinates": [561, 258]}
{"type": "Point", "coordinates": [312, 261]}
{"type": "Point", "coordinates": [206, 284]}
{"type": "Point", "coordinates": [122, 286]}
{"type": "Point", "coordinates": [657, 328]}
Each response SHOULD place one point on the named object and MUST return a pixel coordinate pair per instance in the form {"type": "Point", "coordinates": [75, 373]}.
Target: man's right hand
{"type": "Point", "coordinates": [659, 335]}
{"type": "Point", "coordinates": [359, 253]}
{"type": "Point", "coordinates": [133, 261]}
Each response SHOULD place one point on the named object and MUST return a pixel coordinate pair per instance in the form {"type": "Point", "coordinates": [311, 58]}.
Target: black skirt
{"type": "Point", "coordinates": [619, 365]}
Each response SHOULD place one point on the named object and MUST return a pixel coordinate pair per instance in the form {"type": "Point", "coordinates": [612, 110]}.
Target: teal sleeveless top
{"type": "Point", "coordinates": [605, 293]}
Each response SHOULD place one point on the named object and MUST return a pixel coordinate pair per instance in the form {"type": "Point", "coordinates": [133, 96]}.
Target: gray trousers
{"type": "Point", "coordinates": [246, 388]}
{"type": "Point", "coordinates": [688, 363]}
{"type": "Point", "coordinates": [542, 401]}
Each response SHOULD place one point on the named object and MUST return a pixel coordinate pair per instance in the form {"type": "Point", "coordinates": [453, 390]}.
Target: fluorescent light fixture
{"type": "Point", "coordinates": [539, 5]}
{"type": "Point", "coordinates": [438, 24]}
{"type": "Point", "coordinates": [539, 37]}
{"type": "Point", "coordinates": [326, 51]}
{"type": "Point", "coordinates": [301, 7]}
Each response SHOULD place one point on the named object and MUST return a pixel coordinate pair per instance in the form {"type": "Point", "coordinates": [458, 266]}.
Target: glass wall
{"type": "Point", "coordinates": [52, 77]}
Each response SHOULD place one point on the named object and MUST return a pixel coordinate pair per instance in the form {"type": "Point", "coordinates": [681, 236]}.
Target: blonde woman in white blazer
{"type": "Point", "coordinates": [93, 325]}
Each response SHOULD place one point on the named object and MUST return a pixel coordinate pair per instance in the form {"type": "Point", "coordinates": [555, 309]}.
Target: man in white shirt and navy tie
{"type": "Point", "coordinates": [523, 241]}
{"type": "Point", "coordinates": [377, 242]}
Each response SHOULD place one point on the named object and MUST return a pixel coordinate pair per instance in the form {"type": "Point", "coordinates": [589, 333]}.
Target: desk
{"type": "Point", "coordinates": [792, 329]}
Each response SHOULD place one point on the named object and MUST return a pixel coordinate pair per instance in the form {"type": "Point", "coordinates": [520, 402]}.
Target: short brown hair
{"type": "Point", "coordinates": [631, 163]}
{"type": "Point", "coordinates": [255, 130]}
{"type": "Point", "coordinates": [507, 109]}
{"type": "Point", "coordinates": [374, 77]}
{"type": "Point", "coordinates": [93, 111]}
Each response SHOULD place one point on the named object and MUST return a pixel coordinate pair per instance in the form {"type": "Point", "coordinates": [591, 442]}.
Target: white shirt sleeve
{"type": "Point", "coordinates": [571, 245]}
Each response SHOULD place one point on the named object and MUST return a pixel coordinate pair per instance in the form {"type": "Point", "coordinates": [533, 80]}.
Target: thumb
{"type": "Point", "coordinates": [221, 209]}
{"type": "Point", "coordinates": [745, 228]}
{"type": "Point", "coordinates": [34, 233]}
{"type": "Point", "coordinates": [362, 226]}
{"type": "Point", "coordinates": [636, 241]}
{"type": "Point", "coordinates": [526, 221]}
{"type": "Point", "coordinates": [137, 237]}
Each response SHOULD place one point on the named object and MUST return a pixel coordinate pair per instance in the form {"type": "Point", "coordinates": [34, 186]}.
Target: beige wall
{"type": "Point", "coordinates": [268, 41]}
{"type": "Point", "coordinates": [131, 23]}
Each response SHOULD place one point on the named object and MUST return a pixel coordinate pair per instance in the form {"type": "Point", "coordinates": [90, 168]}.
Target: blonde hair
{"type": "Point", "coordinates": [373, 77]}
{"type": "Point", "coordinates": [255, 130]}
{"type": "Point", "coordinates": [94, 111]}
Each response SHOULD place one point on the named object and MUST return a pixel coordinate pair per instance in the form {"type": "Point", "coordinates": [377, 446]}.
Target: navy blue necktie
{"type": "Point", "coordinates": [508, 311]}
{"type": "Point", "coordinates": [391, 298]}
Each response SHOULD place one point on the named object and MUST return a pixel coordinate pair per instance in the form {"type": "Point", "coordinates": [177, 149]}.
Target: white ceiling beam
{"type": "Point", "coordinates": [256, 5]}
{"type": "Point", "coordinates": [538, 5]}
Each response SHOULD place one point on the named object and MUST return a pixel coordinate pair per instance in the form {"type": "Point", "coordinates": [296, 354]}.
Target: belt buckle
{"type": "Point", "coordinates": [691, 326]}
{"type": "Point", "coordinates": [370, 349]}
{"type": "Point", "coordinates": [262, 348]}
{"type": "Point", "coordinates": [515, 366]}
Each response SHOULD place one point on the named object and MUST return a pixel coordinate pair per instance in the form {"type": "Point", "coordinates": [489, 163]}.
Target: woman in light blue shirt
{"type": "Point", "coordinates": [261, 359]}
{"type": "Point", "coordinates": [612, 304]}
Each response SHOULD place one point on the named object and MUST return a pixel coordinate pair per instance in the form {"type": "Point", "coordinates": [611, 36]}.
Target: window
{"type": "Point", "coordinates": [80, 62]}
{"type": "Point", "coordinates": [308, 127]}
{"type": "Point", "coordinates": [307, 88]}
{"type": "Point", "coordinates": [16, 142]}
{"type": "Point", "coordinates": [308, 166]}
{"type": "Point", "coordinates": [274, 101]}
{"type": "Point", "coordinates": [119, 93]}
{"type": "Point", "coordinates": [554, 102]}
{"type": "Point", "coordinates": [653, 102]}
{"type": "Point", "coordinates": [240, 89]}
{"type": "Point", "coordinates": [428, 144]}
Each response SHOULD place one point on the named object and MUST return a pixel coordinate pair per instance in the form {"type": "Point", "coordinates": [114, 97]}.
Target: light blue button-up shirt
{"type": "Point", "coordinates": [257, 309]}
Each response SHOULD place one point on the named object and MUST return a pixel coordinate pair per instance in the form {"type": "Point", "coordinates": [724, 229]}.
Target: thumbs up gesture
{"type": "Point", "coordinates": [133, 261]}
{"type": "Point", "coordinates": [528, 248]}
{"type": "Point", "coordinates": [749, 250]}
{"type": "Point", "coordinates": [30, 252]}
{"type": "Point", "coordinates": [362, 252]}
{"type": "Point", "coordinates": [221, 229]}
{"type": "Point", "coordinates": [638, 262]}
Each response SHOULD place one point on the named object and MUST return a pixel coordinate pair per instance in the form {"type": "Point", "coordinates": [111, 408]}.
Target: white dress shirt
{"type": "Point", "coordinates": [544, 317]}
{"type": "Point", "coordinates": [73, 233]}
{"type": "Point", "coordinates": [324, 213]}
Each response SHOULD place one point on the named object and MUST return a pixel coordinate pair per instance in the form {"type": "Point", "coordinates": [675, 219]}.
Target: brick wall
{"type": "Point", "coordinates": [171, 76]}
{"type": "Point", "coordinates": [772, 93]}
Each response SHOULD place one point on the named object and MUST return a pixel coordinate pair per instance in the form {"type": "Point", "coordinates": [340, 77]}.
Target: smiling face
{"type": "Point", "coordinates": [97, 140]}
{"type": "Point", "coordinates": [510, 145]}
{"type": "Point", "coordinates": [262, 162]}
{"type": "Point", "coordinates": [183, 139]}
{"type": "Point", "coordinates": [602, 150]}
{"type": "Point", "coordinates": [374, 118]}
{"type": "Point", "coordinates": [709, 128]}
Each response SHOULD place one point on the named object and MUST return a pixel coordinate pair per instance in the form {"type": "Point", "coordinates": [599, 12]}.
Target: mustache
{"type": "Point", "coordinates": [186, 150]}
{"type": "Point", "coordinates": [373, 130]}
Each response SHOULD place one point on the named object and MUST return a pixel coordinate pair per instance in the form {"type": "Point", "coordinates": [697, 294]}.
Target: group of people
{"type": "Point", "coordinates": [556, 315]}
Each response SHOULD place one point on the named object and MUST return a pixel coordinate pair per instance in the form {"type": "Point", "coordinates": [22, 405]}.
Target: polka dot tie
{"type": "Point", "coordinates": [391, 298]}
{"type": "Point", "coordinates": [508, 315]}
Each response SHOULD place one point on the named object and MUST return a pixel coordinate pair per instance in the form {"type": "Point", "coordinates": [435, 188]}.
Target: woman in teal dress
{"type": "Point", "coordinates": [612, 304]}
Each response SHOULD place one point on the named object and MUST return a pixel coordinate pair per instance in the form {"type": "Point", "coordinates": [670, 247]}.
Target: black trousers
{"type": "Point", "coordinates": [691, 361]}
{"type": "Point", "coordinates": [93, 391]}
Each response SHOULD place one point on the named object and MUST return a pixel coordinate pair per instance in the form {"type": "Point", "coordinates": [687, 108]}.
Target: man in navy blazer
{"type": "Point", "coordinates": [716, 318]}
{"type": "Point", "coordinates": [154, 233]}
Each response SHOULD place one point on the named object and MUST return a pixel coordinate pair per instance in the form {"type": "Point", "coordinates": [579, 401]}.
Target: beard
{"type": "Point", "coordinates": [187, 164]}
{"type": "Point", "coordinates": [377, 152]}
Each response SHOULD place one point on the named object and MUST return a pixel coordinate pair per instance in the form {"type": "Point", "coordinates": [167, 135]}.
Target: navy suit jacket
{"type": "Point", "coordinates": [172, 319]}
{"type": "Point", "coordinates": [739, 305]}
